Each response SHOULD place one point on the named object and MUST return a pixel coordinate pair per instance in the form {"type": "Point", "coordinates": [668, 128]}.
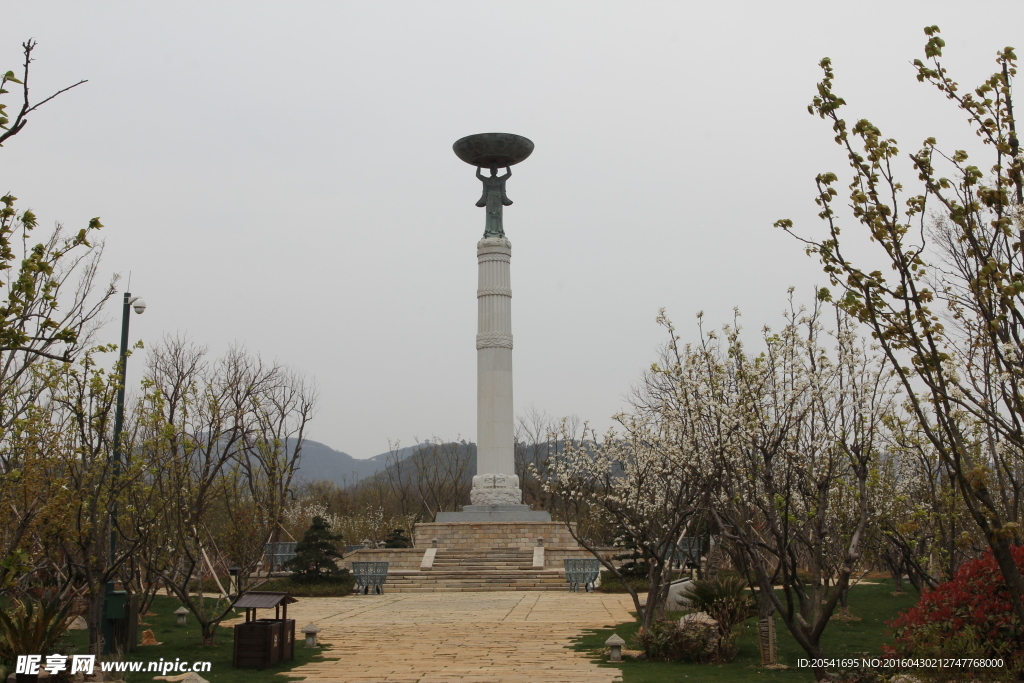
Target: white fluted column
{"type": "Point", "coordinates": [495, 482]}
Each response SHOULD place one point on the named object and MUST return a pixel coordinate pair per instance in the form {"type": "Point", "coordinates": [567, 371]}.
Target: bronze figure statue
{"type": "Point", "coordinates": [494, 198]}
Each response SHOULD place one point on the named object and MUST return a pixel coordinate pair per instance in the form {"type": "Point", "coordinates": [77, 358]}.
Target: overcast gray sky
{"type": "Point", "coordinates": [281, 175]}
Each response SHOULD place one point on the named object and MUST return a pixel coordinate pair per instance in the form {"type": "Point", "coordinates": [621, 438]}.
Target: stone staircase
{"type": "Point", "coordinates": [480, 569]}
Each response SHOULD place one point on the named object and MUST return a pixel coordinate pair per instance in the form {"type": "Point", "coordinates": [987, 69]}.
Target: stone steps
{"type": "Point", "coordinates": [474, 584]}
{"type": "Point", "coordinates": [471, 586]}
{"type": "Point", "coordinates": [481, 566]}
{"type": "Point", "coordinates": [491, 569]}
{"type": "Point", "coordinates": [388, 588]}
{"type": "Point", "coordinates": [538, 575]}
{"type": "Point", "coordinates": [489, 553]}
{"type": "Point", "coordinates": [493, 559]}
{"type": "Point", "coordinates": [481, 577]}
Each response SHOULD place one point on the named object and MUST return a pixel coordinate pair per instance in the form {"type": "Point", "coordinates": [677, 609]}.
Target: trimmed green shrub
{"type": "Point", "coordinates": [671, 641]}
{"type": "Point", "coordinates": [611, 583]}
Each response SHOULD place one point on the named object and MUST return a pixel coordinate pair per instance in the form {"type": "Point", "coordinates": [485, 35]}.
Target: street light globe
{"type": "Point", "coordinates": [139, 305]}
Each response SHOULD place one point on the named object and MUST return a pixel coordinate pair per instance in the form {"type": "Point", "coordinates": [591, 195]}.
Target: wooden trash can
{"type": "Point", "coordinates": [287, 639]}
{"type": "Point", "coordinates": [260, 643]}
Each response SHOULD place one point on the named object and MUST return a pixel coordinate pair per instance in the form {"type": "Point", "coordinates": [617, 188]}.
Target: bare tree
{"type": "Point", "coordinates": [401, 480]}
{"type": "Point", "coordinates": [221, 432]}
{"type": "Point", "coordinates": [27, 107]}
{"type": "Point", "coordinates": [270, 452]}
{"type": "Point", "coordinates": [533, 448]}
{"type": "Point", "coordinates": [442, 475]}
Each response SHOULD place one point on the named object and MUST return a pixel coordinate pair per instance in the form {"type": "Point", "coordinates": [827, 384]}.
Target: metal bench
{"type": "Point", "coordinates": [688, 552]}
{"type": "Point", "coordinates": [582, 572]}
{"type": "Point", "coordinates": [278, 553]}
{"type": "Point", "coordinates": [370, 575]}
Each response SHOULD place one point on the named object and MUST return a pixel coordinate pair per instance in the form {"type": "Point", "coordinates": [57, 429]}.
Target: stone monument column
{"type": "Point", "coordinates": [495, 482]}
{"type": "Point", "coordinates": [495, 496]}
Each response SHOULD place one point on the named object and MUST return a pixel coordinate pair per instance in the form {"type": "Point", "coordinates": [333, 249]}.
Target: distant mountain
{"type": "Point", "coordinates": [438, 461]}
{"type": "Point", "coordinates": [319, 461]}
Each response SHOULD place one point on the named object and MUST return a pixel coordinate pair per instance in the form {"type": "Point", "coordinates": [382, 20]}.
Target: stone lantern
{"type": "Point", "coordinates": [615, 643]}
{"type": "Point", "coordinates": [311, 632]}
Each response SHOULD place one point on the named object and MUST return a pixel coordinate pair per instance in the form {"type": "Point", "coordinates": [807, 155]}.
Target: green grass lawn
{"type": "Point", "coordinates": [875, 604]}
{"type": "Point", "coordinates": [182, 642]}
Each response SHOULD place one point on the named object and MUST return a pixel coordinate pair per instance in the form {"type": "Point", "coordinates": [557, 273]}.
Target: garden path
{"type": "Point", "coordinates": [468, 637]}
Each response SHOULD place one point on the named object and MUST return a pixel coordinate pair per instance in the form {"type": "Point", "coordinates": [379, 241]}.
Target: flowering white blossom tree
{"type": "Point", "coordinates": [646, 480]}
{"type": "Point", "coordinates": [794, 434]}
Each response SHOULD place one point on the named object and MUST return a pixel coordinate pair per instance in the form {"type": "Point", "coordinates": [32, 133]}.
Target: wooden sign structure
{"type": "Point", "coordinates": [766, 633]}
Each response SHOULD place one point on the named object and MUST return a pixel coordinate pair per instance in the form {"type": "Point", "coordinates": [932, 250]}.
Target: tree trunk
{"type": "Point", "coordinates": [1012, 576]}
{"type": "Point", "coordinates": [209, 631]}
{"type": "Point", "coordinates": [766, 629]}
{"type": "Point", "coordinates": [94, 617]}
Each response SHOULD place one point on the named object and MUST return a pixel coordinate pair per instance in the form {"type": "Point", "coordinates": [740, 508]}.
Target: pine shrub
{"type": "Point", "coordinates": [397, 539]}
{"type": "Point", "coordinates": [316, 555]}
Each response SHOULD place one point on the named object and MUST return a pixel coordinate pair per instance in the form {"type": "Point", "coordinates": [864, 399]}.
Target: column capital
{"type": "Point", "coordinates": [494, 245]}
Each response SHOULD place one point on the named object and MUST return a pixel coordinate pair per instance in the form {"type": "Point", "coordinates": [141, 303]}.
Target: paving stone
{"type": "Point", "coordinates": [459, 637]}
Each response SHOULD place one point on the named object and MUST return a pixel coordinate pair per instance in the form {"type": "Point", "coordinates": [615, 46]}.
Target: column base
{"type": "Point", "coordinates": [496, 489]}
{"type": "Point", "coordinates": [492, 496]}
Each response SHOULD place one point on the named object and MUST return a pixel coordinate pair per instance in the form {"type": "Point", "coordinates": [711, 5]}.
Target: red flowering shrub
{"type": "Point", "coordinates": [969, 616]}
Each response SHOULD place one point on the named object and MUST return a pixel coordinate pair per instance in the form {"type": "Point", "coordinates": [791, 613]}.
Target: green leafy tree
{"type": "Point", "coordinates": [49, 303]}
{"type": "Point", "coordinates": [948, 311]}
{"type": "Point", "coordinates": [316, 553]}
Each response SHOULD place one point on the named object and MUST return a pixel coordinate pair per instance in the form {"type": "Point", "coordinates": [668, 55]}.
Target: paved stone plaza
{"type": "Point", "coordinates": [507, 637]}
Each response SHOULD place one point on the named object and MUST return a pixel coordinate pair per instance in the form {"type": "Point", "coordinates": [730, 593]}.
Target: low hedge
{"type": "Point", "coordinates": [324, 589]}
{"type": "Point", "coordinates": [611, 583]}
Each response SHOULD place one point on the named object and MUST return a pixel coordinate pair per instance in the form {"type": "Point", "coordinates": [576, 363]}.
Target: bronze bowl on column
{"type": "Point", "coordinates": [493, 150]}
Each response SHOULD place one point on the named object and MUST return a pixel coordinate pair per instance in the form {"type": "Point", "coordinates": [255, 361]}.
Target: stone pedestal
{"type": "Point", "coordinates": [494, 513]}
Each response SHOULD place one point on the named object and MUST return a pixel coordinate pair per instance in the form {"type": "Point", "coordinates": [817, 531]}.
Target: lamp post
{"type": "Point", "coordinates": [233, 588]}
{"type": "Point", "coordinates": [122, 366]}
